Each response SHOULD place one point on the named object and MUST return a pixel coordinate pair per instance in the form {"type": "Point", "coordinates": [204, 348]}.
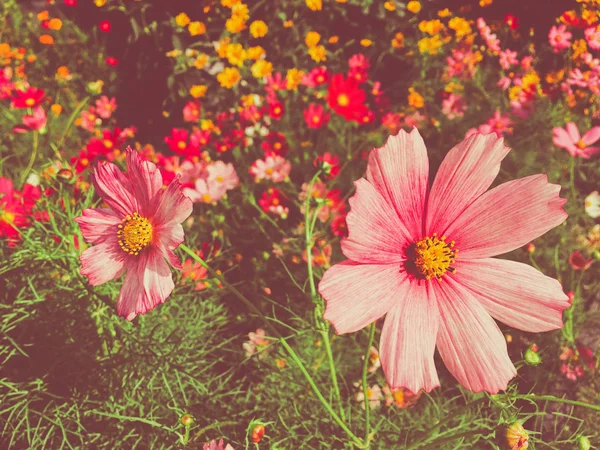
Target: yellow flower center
{"type": "Point", "coordinates": [30, 102]}
{"type": "Point", "coordinates": [181, 145]}
{"type": "Point", "coordinates": [277, 146]}
{"type": "Point", "coordinates": [7, 217]}
{"type": "Point", "coordinates": [580, 145]}
{"type": "Point", "coordinates": [135, 233]}
{"type": "Point", "coordinates": [434, 257]}
{"type": "Point", "coordinates": [269, 171]}
{"type": "Point", "coordinates": [108, 143]}
{"type": "Point", "coordinates": [343, 100]}
{"type": "Point", "coordinates": [220, 179]}
{"type": "Point", "coordinates": [206, 198]}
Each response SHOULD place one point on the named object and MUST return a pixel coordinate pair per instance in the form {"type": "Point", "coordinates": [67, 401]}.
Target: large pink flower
{"type": "Point", "coordinates": [574, 143]}
{"type": "Point", "coordinates": [422, 256]}
{"type": "Point", "coordinates": [136, 233]}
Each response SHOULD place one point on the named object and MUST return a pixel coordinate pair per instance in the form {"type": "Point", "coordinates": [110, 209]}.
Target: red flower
{"type": "Point", "coordinates": [339, 226]}
{"type": "Point", "coordinates": [112, 61]}
{"type": "Point", "coordinates": [104, 26]}
{"type": "Point", "coordinates": [276, 110]}
{"type": "Point", "coordinates": [16, 208]}
{"type": "Point", "coordinates": [359, 67]}
{"type": "Point", "coordinates": [345, 97]}
{"type": "Point", "coordinates": [224, 145]}
{"type": "Point", "coordinates": [30, 98]}
{"type": "Point", "coordinates": [70, 2]}
{"type": "Point", "coordinates": [579, 262]}
{"type": "Point", "coordinates": [275, 144]}
{"type": "Point", "coordinates": [511, 21]}
{"type": "Point", "coordinates": [108, 146]}
{"type": "Point", "coordinates": [315, 116]}
{"type": "Point", "coordinates": [271, 201]}
{"type": "Point", "coordinates": [178, 142]}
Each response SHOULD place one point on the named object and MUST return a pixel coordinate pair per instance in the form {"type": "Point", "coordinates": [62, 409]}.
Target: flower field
{"type": "Point", "coordinates": [308, 224]}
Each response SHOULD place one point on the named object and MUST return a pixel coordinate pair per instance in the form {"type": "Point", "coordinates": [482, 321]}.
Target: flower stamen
{"type": "Point", "coordinates": [434, 257]}
{"type": "Point", "coordinates": [135, 233]}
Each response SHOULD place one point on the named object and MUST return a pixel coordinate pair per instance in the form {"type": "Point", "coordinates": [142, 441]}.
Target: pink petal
{"type": "Point", "coordinates": [168, 238]}
{"type": "Point", "coordinates": [507, 217]}
{"type": "Point", "coordinates": [591, 136]}
{"type": "Point", "coordinates": [399, 171]}
{"type": "Point", "coordinates": [359, 294]}
{"type": "Point", "coordinates": [115, 189]}
{"type": "Point", "coordinates": [408, 339]}
{"type": "Point", "coordinates": [98, 224]}
{"type": "Point", "coordinates": [373, 226]}
{"type": "Point", "coordinates": [589, 151]}
{"type": "Point", "coordinates": [573, 132]}
{"type": "Point", "coordinates": [514, 293]}
{"type": "Point", "coordinates": [172, 205]}
{"type": "Point", "coordinates": [147, 284]}
{"type": "Point", "coordinates": [469, 341]}
{"type": "Point", "coordinates": [103, 262]}
{"type": "Point", "coordinates": [466, 172]}
{"type": "Point", "coordinates": [146, 180]}
{"type": "Point", "coordinates": [561, 138]}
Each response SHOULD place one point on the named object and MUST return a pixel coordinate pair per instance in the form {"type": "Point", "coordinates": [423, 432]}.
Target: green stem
{"type": "Point", "coordinates": [365, 385]}
{"type": "Point", "coordinates": [572, 178]}
{"type": "Point", "coordinates": [357, 441]}
{"type": "Point", "coordinates": [552, 398]}
{"type": "Point", "coordinates": [308, 236]}
{"type": "Point", "coordinates": [333, 373]}
{"type": "Point", "coordinates": [32, 158]}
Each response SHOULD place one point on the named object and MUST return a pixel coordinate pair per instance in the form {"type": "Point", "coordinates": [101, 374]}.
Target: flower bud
{"type": "Point", "coordinates": [64, 175]}
{"type": "Point", "coordinates": [186, 420]}
{"type": "Point", "coordinates": [584, 443]}
{"type": "Point", "coordinates": [532, 357]}
{"type": "Point", "coordinates": [258, 432]}
{"type": "Point", "coordinates": [516, 437]}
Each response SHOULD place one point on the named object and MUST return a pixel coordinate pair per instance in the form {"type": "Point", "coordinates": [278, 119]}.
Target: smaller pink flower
{"type": "Point", "coordinates": [105, 107]}
{"type": "Point", "coordinates": [498, 123]}
{"type": "Point", "coordinates": [214, 445]}
{"type": "Point", "coordinates": [274, 168]}
{"type": "Point", "coordinates": [89, 119]}
{"type": "Point", "coordinates": [592, 205]}
{"type": "Point", "coordinates": [191, 111]}
{"type": "Point", "coordinates": [35, 122]}
{"type": "Point", "coordinates": [570, 139]}
{"type": "Point", "coordinates": [257, 344]}
{"type": "Point", "coordinates": [315, 116]}
{"type": "Point", "coordinates": [507, 59]}
{"type": "Point", "coordinates": [559, 38]}
{"type": "Point", "coordinates": [592, 36]}
{"type": "Point", "coordinates": [504, 83]}
{"type": "Point", "coordinates": [374, 396]}
{"type": "Point", "coordinates": [579, 262]}
{"type": "Point", "coordinates": [223, 174]}
{"type": "Point", "coordinates": [454, 106]}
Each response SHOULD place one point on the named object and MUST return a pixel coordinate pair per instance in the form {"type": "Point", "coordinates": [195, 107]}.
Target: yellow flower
{"type": "Point", "coordinates": [31, 58]}
{"type": "Point", "coordinates": [207, 125]}
{"type": "Point", "coordinates": [258, 29]}
{"type": "Point", "coordinates": [413, 6]}
{"type": "Point", "coordinates": [255, 52]}
{"type": "Point", "coordinates": [56, 109]}
{"type": "Point", "coordinates": [484, 3]}
{"type": "Point", "coordinates": [431, 27]}
{"type": "Point", "coordinates": [198, 90]}
{"type": "Point", "coordinates": [314, 5]}
{"type": "Point", "coordinates": [318, 53]}
{"type": "Point", "coordinates": [390, 6]}
{"type": "Point", "coordinates": [230, 3]}
{"type": "Point", "coordinates": [444, 13]}
{"type": "Point", "coordinates": [430, 45]}
{"type": "Point", "coordinates": [453, 87]}
{"type": "Point", "coordinates": [236, 55]}
{"type": "Point", "coordinates": [196, 28]}
{"type": "Point", "coordinates": [55, 24]}
{"type": "Point", "coordinates": [590, 16]}
{"type": "Point", "coordinates": [398, 41]}
{"type": "Point", "coordinates": [261, 68]}
{"type": "Point", "coordinates": [235, 24]}
{"type": "Point", "coordinates": [173, 53]}
{"type": "Point", "coordinates": [555, 77]}
{"type": "Point", "coordinates": [415, 99]}
{"type": "Point", "coordinates": [247, 100]}
{"type": "Point", "coordinates": [312, 39]}
{"type": "Point", "coordinates": [99, 3]}
{"type": "Point", "coordinates": [293, 79]}
{"type": "Point", "coordinates": [43, 15]}
{"type": "Point", "coordinates": [221, 47]}
{"type": "Point", "coordinates": [530, 80]}
{"type": "Point", "coordinates": [201, 61]}
{"type": "Point", "coordinates": [460, 26]}
{"type": "Point", "coordinates": [182, 19]}
{"type": "Point", "coordinates": [366, 42]}
{"type": "Point", "coordinates": [579, 48]}
{"type": "Point", "coordinates": [229, 77]}
{"type": "Point", "coordinates": [241, 11]}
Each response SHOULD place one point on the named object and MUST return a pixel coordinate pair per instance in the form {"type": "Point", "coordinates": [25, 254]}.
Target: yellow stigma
{"type": "Point", "coordinates": [30, 102]}
{"type": "Point", "coordinates": [434, 257]}
{"type": "Point", "coordinates": [343, 100]}
{"type": "Point", "coordinates": [135, 233]}
{"type": "Point", "coordinates": [580, 145]}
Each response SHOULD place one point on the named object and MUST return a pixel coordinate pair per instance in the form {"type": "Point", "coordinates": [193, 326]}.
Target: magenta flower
{"type": "Point", "coordinates": [136, 233]}
{"type": "Point", "coordinates": [570, 139]}
{"type": "Point", "coordinates": [422, 256]}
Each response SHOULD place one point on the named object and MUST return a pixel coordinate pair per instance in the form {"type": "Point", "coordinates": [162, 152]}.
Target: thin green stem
{"type": "Point", "coordinates": [365, 385]}
{"type": "Point", "coordinates": [308, 236]}
{"type": "Point", "coordinates": [333, 373]}
{"type": "Point", "coordinates": [572, 178]}
{"type": "Point", "coordinates": [32, 158]}
{"type": "Point", "coordinates": [552, 398]}
{"type": "Point", "coordinates": [357, 441]}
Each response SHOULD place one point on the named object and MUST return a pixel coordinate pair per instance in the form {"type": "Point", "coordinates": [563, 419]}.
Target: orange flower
{"type": "Point", "coordinates": [55, 24]}
{"type": "Point", "coordinates": [46, 39]}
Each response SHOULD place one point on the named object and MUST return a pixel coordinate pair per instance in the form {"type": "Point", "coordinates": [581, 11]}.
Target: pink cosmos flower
{"type": "Point", "coordinates": [88, 119]}
{"type": "Point", "coordinates": [136, 233]}
{"type": "Point", "coordinates": [592, 36]}
{"type": "Point", "coordinates": [507, 59]}
{"type": "Point", "coordinates": [574, 143]}
{"type": "Point", "coordinates": [422, 256]}
{"type": "Point", "coordinates": [214, 445]}
{"type": "Point", "coordinates": [105, 107]}
{"type": "Point", "coordinates": [191, 111]}
{"type": "Point", "coordinates": [374, 396]}
{"type": "Point", "coordinates": [454, 106]}
{"type": "Point", "coordinates": [35, 122]}
{"type": "Point", "coordinates": [498, 124]}
{"type": "Point", "coordinates": [559, 38]}
{"type": "Point", "coordinates": [274, 168]}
